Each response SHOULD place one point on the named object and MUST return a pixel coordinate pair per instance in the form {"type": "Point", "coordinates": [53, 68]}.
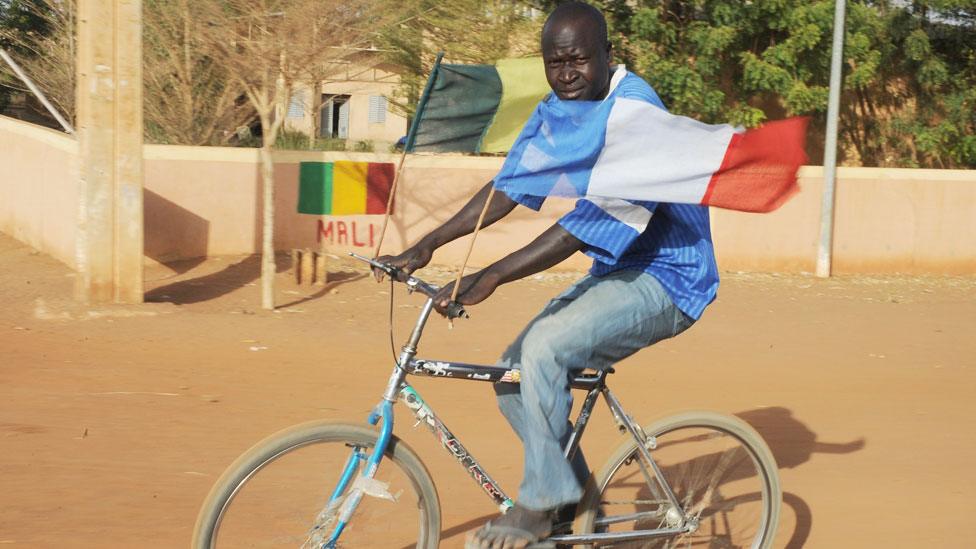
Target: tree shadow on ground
{"type": "Point", "coordinates": [335, 280]}
{"type": "Point", "coordinates": [214, 285]}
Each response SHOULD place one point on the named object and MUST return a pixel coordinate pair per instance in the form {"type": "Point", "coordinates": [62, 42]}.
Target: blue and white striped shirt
{"type": "Point", "coordinates": [672, 242]}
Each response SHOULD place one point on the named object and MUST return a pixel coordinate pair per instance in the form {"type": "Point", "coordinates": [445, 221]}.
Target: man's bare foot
{"type": "Point", "coordinates": [516, 529]}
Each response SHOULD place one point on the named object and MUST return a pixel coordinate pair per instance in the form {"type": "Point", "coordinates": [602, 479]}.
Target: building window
{"type": "Point", "coordinates": [334, 116]}
{"type": "Point", "coordinates": [296, 107]}
{"type": "Point", "coordinates": [377, 109]}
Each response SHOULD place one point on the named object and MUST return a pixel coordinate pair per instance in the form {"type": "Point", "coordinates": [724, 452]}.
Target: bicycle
{"type": "Point", "coordinates": [690, 479]}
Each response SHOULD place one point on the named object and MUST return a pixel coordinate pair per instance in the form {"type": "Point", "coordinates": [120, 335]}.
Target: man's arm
{"type": "Point", "coordinates": [550, 248]}
{"type": "Point", "coordinates": [462, 223]}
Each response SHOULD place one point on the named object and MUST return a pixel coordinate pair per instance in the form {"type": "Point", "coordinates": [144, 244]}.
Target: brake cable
{"type": "Point", "coordinates": [396, 360]}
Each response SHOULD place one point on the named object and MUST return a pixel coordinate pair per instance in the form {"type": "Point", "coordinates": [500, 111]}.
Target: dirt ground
{"type": "Point", "coordinates": [116, 420]}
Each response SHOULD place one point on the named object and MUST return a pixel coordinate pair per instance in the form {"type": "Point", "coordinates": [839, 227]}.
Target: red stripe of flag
{"type": "Point", "coordinates": [758, 173]}
{"type": "Point", "coordinates": [379, 181]}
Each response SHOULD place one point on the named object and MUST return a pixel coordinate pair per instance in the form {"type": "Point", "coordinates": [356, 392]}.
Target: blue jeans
{"type": "Point", "coordinates": [594, 324]}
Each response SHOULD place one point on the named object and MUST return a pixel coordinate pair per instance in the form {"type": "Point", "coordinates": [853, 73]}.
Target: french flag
{"type": "Point", "coordinates": [628, 147]}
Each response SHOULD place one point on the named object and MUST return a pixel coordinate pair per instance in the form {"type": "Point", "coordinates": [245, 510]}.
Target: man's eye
{"type": "Point", "coordinates": [581, 60]}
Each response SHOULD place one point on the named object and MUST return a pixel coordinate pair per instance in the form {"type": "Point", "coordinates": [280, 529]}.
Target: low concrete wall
{"type": "Point", "coordinates": [887, 220]}
{"type": "Point", "coordinates": [39, 187]}
{"type": "Point", "coordinates": [207, 201]}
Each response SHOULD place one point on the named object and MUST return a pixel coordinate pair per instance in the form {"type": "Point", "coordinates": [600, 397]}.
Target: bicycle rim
{"type": "Point", "coordinates": [720, 471]}
{"type": "Point", "coordinates": [278, 495]}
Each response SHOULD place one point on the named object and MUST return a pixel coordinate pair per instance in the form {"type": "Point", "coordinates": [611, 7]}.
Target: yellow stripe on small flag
{"type": "Point", "coordinates": [349, 187]}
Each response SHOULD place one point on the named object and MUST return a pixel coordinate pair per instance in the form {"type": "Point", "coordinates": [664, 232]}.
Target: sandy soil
{"type": "Point", "coordinates": [115, 420]}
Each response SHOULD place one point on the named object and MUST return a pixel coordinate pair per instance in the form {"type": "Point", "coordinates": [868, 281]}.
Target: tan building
{"type": "Point", "coordinates": [354, 106]}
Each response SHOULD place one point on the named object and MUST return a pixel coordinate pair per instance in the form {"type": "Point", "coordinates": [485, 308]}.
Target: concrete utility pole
{"type": "Point", "coordinates": [825, 247]}
{"type": "Point", "coordinates": [109, 111]}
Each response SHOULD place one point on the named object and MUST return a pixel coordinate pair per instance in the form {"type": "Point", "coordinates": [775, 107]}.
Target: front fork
{"type": "Point", "coordinates": [346, 507]}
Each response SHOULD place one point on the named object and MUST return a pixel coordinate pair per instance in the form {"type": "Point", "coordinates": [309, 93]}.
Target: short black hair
{"type": "Point", "coordinates": [578, 12]}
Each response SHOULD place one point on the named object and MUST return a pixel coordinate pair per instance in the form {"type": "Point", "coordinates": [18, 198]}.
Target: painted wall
{"type": "Point", "coordinates": [39, 187]}
{"type": "Point", "coordinates": [207, 201]}
{"type": "Point", "coordinates": [887, 220]}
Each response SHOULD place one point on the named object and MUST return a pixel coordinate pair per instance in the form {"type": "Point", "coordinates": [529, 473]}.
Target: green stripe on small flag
{"type": "Point", "coordinates": [315, 188]}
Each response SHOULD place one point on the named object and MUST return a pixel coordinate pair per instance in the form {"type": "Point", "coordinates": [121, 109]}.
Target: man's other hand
{"type": "Point", "coordinates": [475, 288]}
{"type": "Point", "coordinates": [409, 261]}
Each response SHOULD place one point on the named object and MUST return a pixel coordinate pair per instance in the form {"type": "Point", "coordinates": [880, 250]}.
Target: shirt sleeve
{"type": "Point", "coordinates": [608, 226]}
{"type": "Point", "coordinates": [529, 201]}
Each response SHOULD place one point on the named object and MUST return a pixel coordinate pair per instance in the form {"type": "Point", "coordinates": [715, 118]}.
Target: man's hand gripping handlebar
{"type": "Point", "coordinates": [454, 309]}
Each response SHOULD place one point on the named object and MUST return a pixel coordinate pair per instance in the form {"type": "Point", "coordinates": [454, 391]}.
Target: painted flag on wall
{"type": "Point", "coordinates": [477, 108]}
{"type": "Point", "coordinates": [344, 187]}
{"type": "Point", "coordinates": [627, 146]}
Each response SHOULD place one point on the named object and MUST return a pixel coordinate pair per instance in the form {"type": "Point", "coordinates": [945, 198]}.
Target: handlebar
{"type": "Point", "coordinates": [454, 309]}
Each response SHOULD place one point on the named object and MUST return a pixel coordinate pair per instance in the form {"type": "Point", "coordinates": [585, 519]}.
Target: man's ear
{"type": "Point", "coordinates": [609, 52]}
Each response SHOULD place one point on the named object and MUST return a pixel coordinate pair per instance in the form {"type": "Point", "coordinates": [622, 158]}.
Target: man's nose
{"type": "Point", "coordinates": [567, 75]}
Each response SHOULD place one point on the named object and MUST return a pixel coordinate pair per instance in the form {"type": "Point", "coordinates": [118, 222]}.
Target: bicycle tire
{"type": "Point", "coordinates": [672, 455]}
{"type": "Point", "coordinates": [399, 459]}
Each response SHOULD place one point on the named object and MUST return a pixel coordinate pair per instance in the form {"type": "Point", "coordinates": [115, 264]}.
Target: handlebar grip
{"type": "Point", "coordinates": [456, 310]}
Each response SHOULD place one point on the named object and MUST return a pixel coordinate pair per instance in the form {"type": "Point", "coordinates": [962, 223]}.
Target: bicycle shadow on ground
{"type": "Point", "coordinates": [462, 529]}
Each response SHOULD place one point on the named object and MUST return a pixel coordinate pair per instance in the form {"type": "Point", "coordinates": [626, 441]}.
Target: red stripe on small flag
{"type": "Point", "coordinates": [379, 181]}
{"type": "Point", "coordinates": [758, 173]}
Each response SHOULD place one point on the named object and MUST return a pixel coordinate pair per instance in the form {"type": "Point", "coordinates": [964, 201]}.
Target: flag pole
{"type": "Point", "coordinates": [474, 235]}
{"type": "Point", "coordinates": [407, 147]}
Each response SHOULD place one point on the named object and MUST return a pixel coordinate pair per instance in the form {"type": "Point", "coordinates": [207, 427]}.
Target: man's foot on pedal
{"type": "Point", "coordinates": [519, 528]}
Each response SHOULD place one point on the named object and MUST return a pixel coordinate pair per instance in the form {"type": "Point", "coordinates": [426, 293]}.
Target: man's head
{"type": "Point", "coordinates": [576, 52]}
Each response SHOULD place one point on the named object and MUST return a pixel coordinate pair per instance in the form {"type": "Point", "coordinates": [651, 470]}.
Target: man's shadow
{"type": "Point", "coordinates": [792, 444]}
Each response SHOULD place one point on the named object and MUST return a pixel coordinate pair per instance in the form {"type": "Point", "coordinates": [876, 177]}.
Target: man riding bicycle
{"type": "Point", "coordinates": [653, 274]}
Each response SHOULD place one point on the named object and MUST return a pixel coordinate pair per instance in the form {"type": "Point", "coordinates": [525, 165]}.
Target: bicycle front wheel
{"type": "Point", "coordinates": [720, 470]}
{"type": "Point", "coordinates": [277, 494]}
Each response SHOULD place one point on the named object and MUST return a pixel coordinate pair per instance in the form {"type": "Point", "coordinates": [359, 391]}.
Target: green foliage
{"type": "Point", "coordinates": [294, 140]}
{"type": "Point", "coordinates": [910, 69]}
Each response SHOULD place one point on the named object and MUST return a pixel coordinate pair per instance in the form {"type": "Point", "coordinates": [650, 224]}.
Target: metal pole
{"type": "Point", "coordinates": [37, 92]}
{"type": "Point", "coordinates": [825, 248]}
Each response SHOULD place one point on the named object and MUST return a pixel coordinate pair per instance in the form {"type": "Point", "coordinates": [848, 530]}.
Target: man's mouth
{"type": "Point", "coordinates": [570, 94]}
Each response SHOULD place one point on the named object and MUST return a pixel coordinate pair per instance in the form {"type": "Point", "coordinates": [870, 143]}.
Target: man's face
{"type": "Point", "coordinates": [577, 61]}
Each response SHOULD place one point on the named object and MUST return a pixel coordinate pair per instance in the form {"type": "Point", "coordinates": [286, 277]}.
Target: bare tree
{"type": "Point", "coordinates": [189, 97]}
{"type": "Point", "coordinates": [48, 57]}
{"type": "Point", "coordinates": [265, 46]}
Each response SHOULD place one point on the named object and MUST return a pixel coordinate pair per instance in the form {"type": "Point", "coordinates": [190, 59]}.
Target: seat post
{"type": "Point", "coordinates": [595, 384]}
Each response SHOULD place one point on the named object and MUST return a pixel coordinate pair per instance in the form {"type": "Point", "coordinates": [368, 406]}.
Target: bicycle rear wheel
{"type": "Point", "coordinates": [276, 494]}
{"type": "Point", "coordinates": [720, 470]}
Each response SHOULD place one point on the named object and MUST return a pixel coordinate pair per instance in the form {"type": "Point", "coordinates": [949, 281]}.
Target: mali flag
{"type": "Point", "coordinates": [344, 187]}
{"type": "Point", "coordinates": [477, 108]}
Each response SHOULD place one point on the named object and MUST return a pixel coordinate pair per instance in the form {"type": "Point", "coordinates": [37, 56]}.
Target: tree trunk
{"type": "Point", "coordinates": [268, 267]}
{"type": "Point", "coordinates": [316, 113]}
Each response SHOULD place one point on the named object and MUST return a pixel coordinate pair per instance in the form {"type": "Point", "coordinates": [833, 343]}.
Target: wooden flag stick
{"type": "Point", "coordinates": [389, 202]}
{"type": "Point", "coordinates": [474, 235]}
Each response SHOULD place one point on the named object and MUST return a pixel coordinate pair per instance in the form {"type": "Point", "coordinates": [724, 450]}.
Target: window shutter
{"type": "Point", "coordinates": [377, 109]}
{"type": "Point", "coordinates": [296, 107]}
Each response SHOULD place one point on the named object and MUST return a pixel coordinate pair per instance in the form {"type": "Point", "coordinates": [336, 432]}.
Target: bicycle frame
{"type": "Point", "coordinates": [398, 389]}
